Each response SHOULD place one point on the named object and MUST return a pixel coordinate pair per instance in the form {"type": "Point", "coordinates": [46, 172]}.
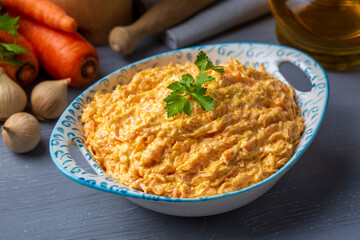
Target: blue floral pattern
{"type": "Point", "coordinates": [68, 129]}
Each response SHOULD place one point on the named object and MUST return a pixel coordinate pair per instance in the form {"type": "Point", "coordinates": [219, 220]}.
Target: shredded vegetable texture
{"type": "Point", "coordinates": [177, 101]}
{"type": "Point", "coordinates": [252, 132]}
{"type": "Point", "coordinates": [8, 51]}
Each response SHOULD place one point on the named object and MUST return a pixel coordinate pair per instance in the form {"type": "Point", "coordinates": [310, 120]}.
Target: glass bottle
{"type": "Point", "coordinates": [328, 30]}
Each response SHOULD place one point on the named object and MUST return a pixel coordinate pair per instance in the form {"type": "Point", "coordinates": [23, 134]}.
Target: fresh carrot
{"type": "Point", "coordinates": [43, 11]}
{"type": "Point", "coordinates": [62, 54]}
{"type": "Point", "coordinates": [25, 73]}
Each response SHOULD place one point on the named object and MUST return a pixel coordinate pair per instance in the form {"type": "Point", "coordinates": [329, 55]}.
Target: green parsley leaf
{"type": "Point", "coordinates": [177, 87]}
{"type": "Point", "coordinates": [176, 103]}
{"type": "Point", "coordinates": [203, 78]}
{"type": "Point", "coordinates": [186, 80]}
{"type": "Point", "coordinates": [200, 90]}
{"type": "Point", "coordinates": [201, 61]}
{"type": "Point", "coordinates": [204, 101]}
{"type": "Point", "coordinates": [219, 69]}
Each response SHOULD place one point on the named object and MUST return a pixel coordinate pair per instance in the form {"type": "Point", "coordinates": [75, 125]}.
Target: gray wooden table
{"type": "Point", "coordinates": [319, 198]}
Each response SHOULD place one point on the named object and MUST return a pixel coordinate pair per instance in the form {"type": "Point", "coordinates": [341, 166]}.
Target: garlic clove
{"type": "Point", "coordinates": [12, 97]}
{"type": "Point", "coordinates": [21, 132]}
{"type": "Point", "coordinates": [49, 99]}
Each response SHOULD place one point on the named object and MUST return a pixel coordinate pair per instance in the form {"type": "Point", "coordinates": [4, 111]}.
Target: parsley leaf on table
{"type": "Point", "coordinates": [9, 50]}
{"type": "Point", "coordinates": [176, 101]}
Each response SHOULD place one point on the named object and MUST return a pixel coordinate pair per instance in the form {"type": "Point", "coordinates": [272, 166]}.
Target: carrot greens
{"type": "Point", "coordinates": [9, 50]}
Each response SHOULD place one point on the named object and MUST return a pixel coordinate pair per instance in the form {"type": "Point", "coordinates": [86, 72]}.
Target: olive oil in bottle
{"type": "Point", "coordinates": [328, 30]}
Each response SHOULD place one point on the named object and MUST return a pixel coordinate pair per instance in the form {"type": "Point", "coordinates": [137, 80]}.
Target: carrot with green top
{"type": "Point", "coordinates": [43, 11]}
{"type": "Point", "coordinates": [62, 54]}
{"type": "Point", "coordinates": [24, 67]}
{"type": "Point", "coordinates": [17, 56]}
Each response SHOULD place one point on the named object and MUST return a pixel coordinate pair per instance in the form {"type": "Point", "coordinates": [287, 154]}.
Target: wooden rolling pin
{"type": "Point", "coordinates": [163, 15]}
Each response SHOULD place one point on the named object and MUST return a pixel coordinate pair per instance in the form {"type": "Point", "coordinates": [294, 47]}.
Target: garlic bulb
{"type": "Point", "coordinates": [21, 132]}
{"type": "Point", "coordinates": [12, 97]}
{"type": "Point", "coordinates": [49, 99]}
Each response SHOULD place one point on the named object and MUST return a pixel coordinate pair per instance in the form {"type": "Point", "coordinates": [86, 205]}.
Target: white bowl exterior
{"type": "Point", "coordinates": [208, 207]}
{"type": "Point", "coordinates": [68, 130]}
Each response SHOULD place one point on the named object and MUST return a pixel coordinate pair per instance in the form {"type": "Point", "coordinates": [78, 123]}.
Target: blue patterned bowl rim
{"type": "Point", "coordinates": [142, 195]}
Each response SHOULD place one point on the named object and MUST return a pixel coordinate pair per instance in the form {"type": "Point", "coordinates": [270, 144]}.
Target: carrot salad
{"type": "Point", "coordinates": [251, 134]}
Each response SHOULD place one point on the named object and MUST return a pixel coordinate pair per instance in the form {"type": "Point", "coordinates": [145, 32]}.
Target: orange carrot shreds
{"type": "Point", "coordinates": [28, 70]}
{"type": "Point", "coordinates": [62, 54]}
{"type": "Point", "coordinates": [43, 11]}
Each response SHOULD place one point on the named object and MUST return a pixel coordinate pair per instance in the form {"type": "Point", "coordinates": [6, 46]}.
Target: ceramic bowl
{"type": "Point", "coordinates": [68, 129]}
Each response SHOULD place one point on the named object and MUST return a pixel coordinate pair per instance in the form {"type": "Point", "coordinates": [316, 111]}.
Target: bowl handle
{"type": "Point", "coordinates": [312, 70]}
{"type": "Point", "coordinates": [59, 150]}
{"type": "Point", "coordinates": [312, 103]}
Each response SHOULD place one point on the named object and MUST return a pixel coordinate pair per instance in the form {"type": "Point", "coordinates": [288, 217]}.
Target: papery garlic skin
{"type": "Point", "coordinates": [49, 99]}
{"type": "Point", "coordinates": [21, 132]}
{"type": "Point", "coordinates": [12, 97]}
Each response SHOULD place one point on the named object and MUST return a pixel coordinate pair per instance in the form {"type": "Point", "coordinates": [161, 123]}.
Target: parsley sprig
{"type": "Point", "coordinates": [9, 50]}
{"type": "Point", "coordinates": [177, 101]}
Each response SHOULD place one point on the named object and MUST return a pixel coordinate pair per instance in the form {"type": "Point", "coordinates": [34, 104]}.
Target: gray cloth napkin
{"type": "Point", "coordinates": [213, 20]}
